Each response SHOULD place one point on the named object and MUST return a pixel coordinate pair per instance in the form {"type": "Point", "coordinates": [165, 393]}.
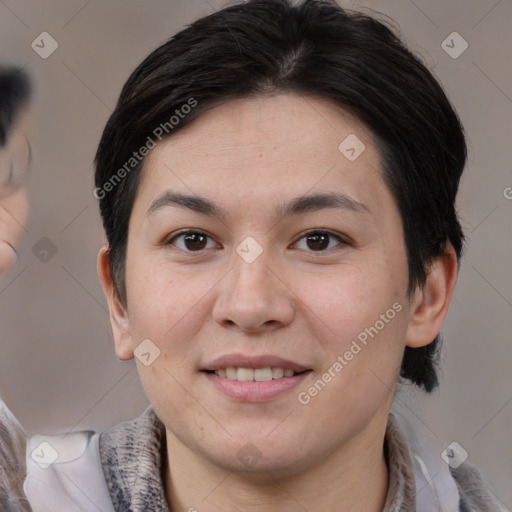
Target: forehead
{"type": "Point", "coordinates": [260, 149]}
{"type": "Point", "coordinates": [298, 121]}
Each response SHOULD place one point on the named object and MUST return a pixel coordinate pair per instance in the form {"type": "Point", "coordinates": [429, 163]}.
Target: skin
{"type": "Point", "coordinates": [295, 300]}
{"type": "Point", "coordinates": [14, 158]}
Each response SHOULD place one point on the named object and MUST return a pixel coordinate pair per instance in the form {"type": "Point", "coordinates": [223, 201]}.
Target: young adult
{"type": "Point", "coordinates": [277, 185]}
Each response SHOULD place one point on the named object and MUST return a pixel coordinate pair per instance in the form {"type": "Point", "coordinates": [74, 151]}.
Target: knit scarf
{"type": "Point", "coordinates": [133, 455]}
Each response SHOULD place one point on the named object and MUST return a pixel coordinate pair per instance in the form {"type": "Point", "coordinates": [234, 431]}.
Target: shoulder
{"type": "Point", "coordinates": [12, 463]}
{"type": "Point", "coordinates": [64, 473]}
{"type": "Point", "coordinates": [474, 492]}
{"type": "Point", "coordinates": [459, 487]}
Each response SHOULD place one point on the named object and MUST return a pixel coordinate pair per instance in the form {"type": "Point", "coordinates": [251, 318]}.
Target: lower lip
{"type": "Point", "coordinates": [253, 391]}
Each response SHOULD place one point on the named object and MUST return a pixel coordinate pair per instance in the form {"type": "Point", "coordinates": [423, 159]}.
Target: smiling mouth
{"type": "Point", "coordinates": [254, 374]}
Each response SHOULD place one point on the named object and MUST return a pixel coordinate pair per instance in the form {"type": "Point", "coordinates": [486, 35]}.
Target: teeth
{"type": "Point", "coordinates": [244, 374]}
{"type": "Point", "coordinates": [262, 374]}
{"type": "Point", "coordinates": [277, 373]}
{"type": "Point", "coordinates": [250, 374]}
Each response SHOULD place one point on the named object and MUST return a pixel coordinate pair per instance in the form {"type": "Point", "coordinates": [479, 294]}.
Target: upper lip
{"type": "Point", "coordinates": [245, 361]}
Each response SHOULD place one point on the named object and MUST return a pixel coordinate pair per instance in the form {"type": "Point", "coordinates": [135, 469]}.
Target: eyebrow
{"type": "Point", "coordinates": [297, 206]}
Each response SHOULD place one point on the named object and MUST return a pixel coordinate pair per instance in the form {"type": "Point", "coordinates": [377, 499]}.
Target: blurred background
{"type": "Point", "coordinates": [58, 369]}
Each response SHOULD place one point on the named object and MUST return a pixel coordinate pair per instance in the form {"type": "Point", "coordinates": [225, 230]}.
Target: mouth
{"type": "Point", "coordinates": [254, 378]}
{"type": "Point", "coordinates": [241, 374]}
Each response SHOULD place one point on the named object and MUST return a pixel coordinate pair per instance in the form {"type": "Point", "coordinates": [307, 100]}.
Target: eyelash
{"type": "Point", "coordinates": [343, 241]}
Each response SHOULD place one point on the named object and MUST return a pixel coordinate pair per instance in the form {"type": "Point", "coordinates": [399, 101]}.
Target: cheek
{"type": "Point", "coordinates": [360, 318]}
{"type": "Point", "coordinates": [164, 310]}
{"type": "Point", "coordinates": [349, 299]}
{"type": "Point", "coordinates": [163, 305]}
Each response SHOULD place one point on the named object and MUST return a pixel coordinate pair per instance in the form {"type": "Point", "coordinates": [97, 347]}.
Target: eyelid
{"type": "Point", "coordinates": [344, 238]}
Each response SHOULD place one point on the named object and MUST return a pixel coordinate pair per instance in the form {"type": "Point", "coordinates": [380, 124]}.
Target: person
{"type": "Point", "coordinates": [15, 93]}
{"type": "Point", "coordinates": [277, 186]}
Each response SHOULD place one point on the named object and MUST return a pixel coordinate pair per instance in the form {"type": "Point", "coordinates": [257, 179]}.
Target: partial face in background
{"type": "Point", "coordinates": [266, 279]}
{"type": "Point", "coordinates": [14, 165]}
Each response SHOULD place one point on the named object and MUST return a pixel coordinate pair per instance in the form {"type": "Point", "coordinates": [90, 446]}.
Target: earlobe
{"type": "Point", "coordinates": [430, 304]}
{"type": "Point", "coordinates": [119, 320]}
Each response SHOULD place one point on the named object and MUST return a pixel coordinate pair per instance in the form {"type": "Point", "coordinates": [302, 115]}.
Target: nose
{"type": "Point", "coordinates": [255, 297]}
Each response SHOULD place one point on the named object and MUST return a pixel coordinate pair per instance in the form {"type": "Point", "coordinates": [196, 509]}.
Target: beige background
{"type": "Point", "coordinates": [58, 370]}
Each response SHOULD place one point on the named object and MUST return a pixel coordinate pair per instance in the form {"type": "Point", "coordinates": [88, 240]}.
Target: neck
{"type": "Point", "coordinates": [354, 477]}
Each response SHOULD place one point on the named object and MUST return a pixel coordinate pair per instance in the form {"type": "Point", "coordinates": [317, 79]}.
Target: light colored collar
{"type": "Point", "coordinates": [435, 488]}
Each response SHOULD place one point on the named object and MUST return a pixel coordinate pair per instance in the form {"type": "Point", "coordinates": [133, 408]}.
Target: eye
{"type": "Point", "coordinates": [193, 241]}
{"type": "Point", "coordinates": [319, 241]}
{"type": "Point", "coordinates": [196, 241]}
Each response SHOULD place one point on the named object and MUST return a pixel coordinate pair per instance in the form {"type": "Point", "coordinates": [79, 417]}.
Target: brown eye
{"type": "Point", "coordinates": [192, 241]}
{"type": "Point", "coordinates": [319, 241]}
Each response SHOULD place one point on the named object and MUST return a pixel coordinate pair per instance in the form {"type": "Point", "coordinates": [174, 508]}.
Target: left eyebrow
{"type": "Point", "coordinates": [297, 206]}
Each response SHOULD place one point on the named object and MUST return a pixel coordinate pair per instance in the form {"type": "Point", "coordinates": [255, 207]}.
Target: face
{"type": "Point", "coordinates": [256, 281]}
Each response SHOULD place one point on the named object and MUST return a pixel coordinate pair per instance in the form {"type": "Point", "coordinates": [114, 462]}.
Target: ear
{"type": "Point", "coordinates": [430, 304]}
{"type": "Point", "coordinates": [119, 320]}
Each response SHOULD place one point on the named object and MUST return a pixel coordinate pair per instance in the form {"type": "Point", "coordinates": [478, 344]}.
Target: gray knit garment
{"type": "Point", "coordinates": [133, 453]}
{"type": "Point", "coordinates": [132, 458]}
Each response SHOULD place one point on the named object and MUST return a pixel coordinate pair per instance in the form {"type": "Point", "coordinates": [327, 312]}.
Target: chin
{"type": "Point", "coordinates": [257, 456]}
